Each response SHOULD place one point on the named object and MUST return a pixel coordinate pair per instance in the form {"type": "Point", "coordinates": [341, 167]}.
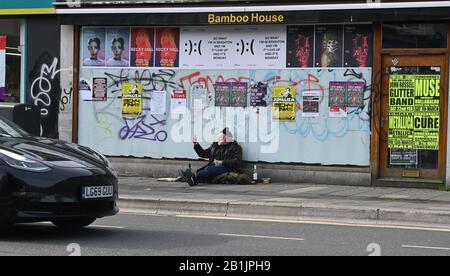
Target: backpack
{"type": "Point", "coordinates": [232, 178]}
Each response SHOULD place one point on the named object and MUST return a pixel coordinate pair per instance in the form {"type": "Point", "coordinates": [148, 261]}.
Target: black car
{"type": "Point", "coordinates": [44, 179]}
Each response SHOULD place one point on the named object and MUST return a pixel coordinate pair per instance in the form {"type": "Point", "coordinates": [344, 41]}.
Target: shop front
{"type": "Point", "coordinates": [319, 86]}
{"type": "Point", "coordinates": [29, 44]}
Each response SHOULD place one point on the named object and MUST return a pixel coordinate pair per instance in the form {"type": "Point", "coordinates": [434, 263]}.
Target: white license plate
{"type": "Point", "coordinates": [97, 192]}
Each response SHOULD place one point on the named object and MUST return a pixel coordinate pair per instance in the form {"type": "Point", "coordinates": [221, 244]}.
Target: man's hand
{"type": "Point", "coordinates": [218, 162]}
{"type": "Point", "coordinates": [194, 140]}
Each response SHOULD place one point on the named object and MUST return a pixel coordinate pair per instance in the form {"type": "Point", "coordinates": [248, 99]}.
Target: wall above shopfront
{"type": "Point", "coordinates": [134, 2]}
{"type": "Point", "coordinates": [74, 12]}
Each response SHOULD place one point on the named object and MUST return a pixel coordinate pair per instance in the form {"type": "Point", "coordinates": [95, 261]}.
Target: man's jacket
{"type": "Point", "coordinates": [230, 154]}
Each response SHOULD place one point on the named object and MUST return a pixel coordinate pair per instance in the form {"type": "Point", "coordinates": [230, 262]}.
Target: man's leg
{"type": "Point", "coordinates": [206, 174]}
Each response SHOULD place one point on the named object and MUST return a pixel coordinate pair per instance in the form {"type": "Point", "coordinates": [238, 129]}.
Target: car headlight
{"type": "Point", "coordinates": [107, 162]}
{"type": "Point", "coordinates": [22, 163]}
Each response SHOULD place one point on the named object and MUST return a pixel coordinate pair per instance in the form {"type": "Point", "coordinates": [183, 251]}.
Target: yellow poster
{"type": "Point", "coordinates": [284, 103]}
{"type": "Point", "coordinates": [131, 99]}
{"type": "Point", "coordinates": [414, 112]}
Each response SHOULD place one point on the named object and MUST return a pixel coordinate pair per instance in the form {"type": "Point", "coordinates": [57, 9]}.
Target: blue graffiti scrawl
{"type": "Point", "coordinates": [139, 129]}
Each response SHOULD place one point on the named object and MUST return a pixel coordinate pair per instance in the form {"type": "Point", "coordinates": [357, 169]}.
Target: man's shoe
{"type": "Point", "coordinates": [189, 177]}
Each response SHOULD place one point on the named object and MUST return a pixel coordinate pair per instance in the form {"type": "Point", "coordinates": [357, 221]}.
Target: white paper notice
{"type": "Point", "coordinates": [233, 47]}
{"type": "Point", "coordinates": [178, 102]}
{"type": "Point", "coordinates": [337, 112]}
{"type": "Point", "coordinates": [158, 103]}
{"type": "Point", "coordinates": [85, 90]}
{"type": "Point", "coordinates": [311, 103]}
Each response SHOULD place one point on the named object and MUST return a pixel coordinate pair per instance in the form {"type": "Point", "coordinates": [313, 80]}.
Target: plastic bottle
{"type": "Point", "coordinates": [255, 174]}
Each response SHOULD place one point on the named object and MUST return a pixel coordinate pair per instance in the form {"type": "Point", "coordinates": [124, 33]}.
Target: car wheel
{"type": "Point", "coordinates": [73, 223]}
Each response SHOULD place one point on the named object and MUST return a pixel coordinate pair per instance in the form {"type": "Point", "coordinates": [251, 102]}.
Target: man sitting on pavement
{"type": "Point", "coordinates": [224, 156]}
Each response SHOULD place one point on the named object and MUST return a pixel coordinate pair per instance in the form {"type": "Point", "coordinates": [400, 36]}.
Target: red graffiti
{"type": "Point", "coordinates": [207, 81]}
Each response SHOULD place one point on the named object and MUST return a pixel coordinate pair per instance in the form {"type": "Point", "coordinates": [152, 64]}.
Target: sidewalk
{"type": "Point", "coordinates": [292, 202]}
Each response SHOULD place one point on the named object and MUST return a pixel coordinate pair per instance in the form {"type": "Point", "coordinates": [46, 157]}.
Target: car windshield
{"type": "Point", "coordinates": [10, 129]}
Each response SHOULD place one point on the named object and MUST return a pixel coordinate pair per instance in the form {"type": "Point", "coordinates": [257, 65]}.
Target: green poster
{"type": "Point", "coordinates": [414, 112]}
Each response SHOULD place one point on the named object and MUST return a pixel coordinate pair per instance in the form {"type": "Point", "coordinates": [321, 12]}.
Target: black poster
{"type": "Point", "coordinates": [329, 43]}
{"type": "Point", "coordinates": [300, 46]}
{"type": "Point", "coordinates": [358, 45]}
{"type": "Point", "coordinates": [258, 95]}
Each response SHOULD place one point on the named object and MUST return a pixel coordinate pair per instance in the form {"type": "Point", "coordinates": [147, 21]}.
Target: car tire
{"type": "Point", "coordinates": [73, 223]}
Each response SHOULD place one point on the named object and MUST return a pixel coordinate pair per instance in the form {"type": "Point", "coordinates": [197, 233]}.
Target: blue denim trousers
{"type": "Point", "coordinates": [208, 173]}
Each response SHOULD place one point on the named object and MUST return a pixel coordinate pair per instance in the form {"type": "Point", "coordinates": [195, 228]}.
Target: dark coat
{"type": "Point", "coordinates": [230, 154]}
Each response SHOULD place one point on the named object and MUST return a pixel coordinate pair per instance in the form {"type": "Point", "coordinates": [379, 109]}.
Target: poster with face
{"type": "Point", "coordinates": [358, 45]}
{"type": "Point", "coordinates": [117, 48]}
{"type": "Point", "coordinates": [93, 47]}
{"type": "Point", "coordinates": [329, 43]}
{"type": "Point", "coordinates": [167, 47]}
{"type": "Point", "coordinates": [300, 46]}
{"type": "Point", "coordinates": [142, 43]}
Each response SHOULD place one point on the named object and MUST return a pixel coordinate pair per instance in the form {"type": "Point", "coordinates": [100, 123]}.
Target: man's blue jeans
{"type": "Point", "coordinates": [208, 173]}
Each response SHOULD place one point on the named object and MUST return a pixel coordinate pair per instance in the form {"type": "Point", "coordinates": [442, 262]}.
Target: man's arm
{"type": "Point", "coordinates": [199, 150]}
{"type": "Point", "coordinates": [203, 153]}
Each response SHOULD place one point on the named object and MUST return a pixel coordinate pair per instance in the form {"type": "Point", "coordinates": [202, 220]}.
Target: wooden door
{"type": "Point", "coordinates": [413, 116]}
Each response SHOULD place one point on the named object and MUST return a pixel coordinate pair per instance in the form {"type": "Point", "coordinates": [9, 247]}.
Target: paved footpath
{"type": "Point", "coordinates": [288, 202]}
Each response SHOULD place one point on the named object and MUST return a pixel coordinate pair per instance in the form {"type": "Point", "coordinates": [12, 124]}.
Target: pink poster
{"type": "Point", "coordinates": [167, 47]}
{"type": "Point", "coordinates": [142, 43]}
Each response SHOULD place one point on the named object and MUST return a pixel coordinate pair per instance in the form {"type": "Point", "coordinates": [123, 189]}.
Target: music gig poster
{"type": "Point", "coordinates": [131, 99]}
{"type": "Point", "coordinates": [238, 96]}
{"type": "Point", "coordinates": [142, 47]}
{"type": "Point", "coordinates": [329, 44]}
{"type": "Point", "coordinates": [222, 90]}
{"type": "Point", "coordinates": [358, 45]}
{"type": "Point", "coordinates": [284, 104]}
{"type": "Point", "coordinates": [300, 46]}
{"type": "Point", "coordinates": [258, 95]}
{"type": "Point", "coordinates": [167, 47]}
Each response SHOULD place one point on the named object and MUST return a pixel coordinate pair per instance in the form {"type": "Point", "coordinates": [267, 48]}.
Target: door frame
{"type": "Point", "coordinates": [376, 98]}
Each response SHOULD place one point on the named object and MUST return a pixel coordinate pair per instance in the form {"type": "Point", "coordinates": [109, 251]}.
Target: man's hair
{"type": "Point", "coordinates": [96, 40]}
{"type": "Point", "coordinates": [120, 40]}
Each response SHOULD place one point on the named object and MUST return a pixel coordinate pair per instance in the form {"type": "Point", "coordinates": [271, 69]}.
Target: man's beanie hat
{"type": "Point", "coordinates": [227, 132]}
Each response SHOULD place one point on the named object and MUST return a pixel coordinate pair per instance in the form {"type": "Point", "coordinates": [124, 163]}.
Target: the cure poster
{"type": "Point", "coordinates": [414, 109]}
{"type": "Point", "coordinates": [284, 103]}
{"type": "Point", "coordinates": [131, 99]}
